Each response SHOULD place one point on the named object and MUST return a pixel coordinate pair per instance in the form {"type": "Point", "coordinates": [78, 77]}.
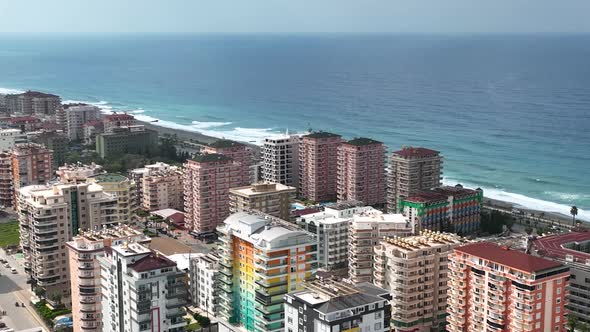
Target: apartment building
{"type": "Point", "coordinates": [262, 259]}
{"type": "Point", "coordinates": [142, 290]}
{"type": "Point", "coordinates": [207, 180]}
{"type": "Point", "coordinates": [77, 173]}
{"type": "Point", "coordinates": [240, 153]}
{"type": "Point", "coordinates": [454, 209]}
{"type": "Point", "coordinates": [280, 160]}
{"type": "Point", "coordinates": [318, 162]}
{"type": "Point", "coordinates": [365, 231]}
{"type": "Point", "coordinates": [117, 120]}
{"type": "Point", "coordinates": [49, 216]}
{"type": "Point", "coordinates": [204, 282]}
{"type": "Point", "coordinates": [76, 117]}
{"type": "Point", "coordinates": [83, 253]}
{"type": "Point", "coordinates": [415, 271]}
{"type": "Point", "coordinates": [161, 187]}
{"type": "Point", "coordinates": [89, 131]}
{"type": "Point", "coordinates": [133, 139]}
{"type": "Point", "coordinates": [571, 249]}
{"type": "Point", "coordinates": [55, 141]}
{"type": "Point", "coordinates": [411, 170]}
{"type": "Point", "coordinates": [122, 189]}
{"type": "Point", "coordinates": [493, 288]}
{"type": "Point", "coordinates": [11, 137]}
{"type": "Point", "coordinates": [361, 172]}
{"type": "Point", "coordinates": [6, 180]}
{"type": "Point", "coordinates": [31, 164]}
{"type": "Point", "coordinates": [32, 102]}
{"type": "Point", "coordinates": [270, 198]}
{"type": "Point", "coordinates": [330, 227]}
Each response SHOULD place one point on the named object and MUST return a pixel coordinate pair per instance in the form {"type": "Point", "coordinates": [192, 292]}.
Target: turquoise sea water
{"type": "Point", "coordinates": [511, 114]}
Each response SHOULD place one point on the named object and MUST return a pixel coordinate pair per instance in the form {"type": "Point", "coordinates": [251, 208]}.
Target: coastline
{"type": "Point", "coordinates": [181, 134]}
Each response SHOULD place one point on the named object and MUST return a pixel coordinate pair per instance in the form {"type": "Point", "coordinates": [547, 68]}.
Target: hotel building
{"type": "Point", "coordinates": [452, 209]}
{"type": "Point", "coordinates": [207, 180]}
{"type": "Point", "coordinates": [83, 251]}
{"type": "Point", "coordinates": [493, 288]}
{"type": "Point", "coordinates": [76, 117]}
{"type": "Point", "coordinates": [262, 259]}
{"type": "Point", "coordinates": [326, 305]}
{"type": "Point", "coordinates": [415, 271]}
{"type": "Point", "coordinates": [240, 154]}
{"type": "Point", "coordinates": [142, 290]}
{"type": "Point", "coordinates": [331, 230]}
{"type": "Point", "coordinates": [204, 282]}
{"type": "Point", "coordinates": [412, 170]}
{"type": "Point", "coordinates": [361, 171]}
{"type": "Point", "coordinates": [161, 187]}
{"type": "Point", "coordinates": [122, 140]}
{"type": "Point", "coordinates": [365, 231]}
{"type": "Point", "coordinates": [318, 162]}
{"type": "Point", "coordinates": [115, 120]}
{"type": "Point", "coordinates": [270, 198]}
{"type": "Point", "coordinates": [49, 216]}
{"type": "Point", "coordinates": [280, 160]}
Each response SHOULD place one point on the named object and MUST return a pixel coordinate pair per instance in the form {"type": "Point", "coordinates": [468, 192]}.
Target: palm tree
{"type": "Point", "coordinates": [574, 213]}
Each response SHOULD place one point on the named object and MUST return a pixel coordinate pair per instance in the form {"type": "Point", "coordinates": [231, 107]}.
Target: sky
{"type": "Point", "coordinates": [292, 16]}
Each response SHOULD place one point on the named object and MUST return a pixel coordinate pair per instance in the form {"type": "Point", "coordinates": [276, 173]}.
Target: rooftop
{"type": "Point", "coordinates": [210, 157]}
{"type": "Point", "coordinates": [261, 189]}
{"type": "Point", "coordinates": [440, 194]}
{"type": "Point", "coordinates": [152, 261]}
{"type": "Point", "coordinates": [502, 255]}
{"type": "Point", "coordinates": [110, 177]}
{"type": "Point", "coordinates": [225, 143]}
{"type": "Point", "coordinates": [119, 117]}
{"type": "Point", "coordinates": [564, 246]}
{"type": "Point", "coordinates": [37, 94]}
{"type": "Point", "coordinates": [321, 134]}
{"type": "Point", "coordinates": [426, 239]}
{"type": "Point", "coordinates": [359, 141]}
{"type": "Point", "coordinates": [418, 152]}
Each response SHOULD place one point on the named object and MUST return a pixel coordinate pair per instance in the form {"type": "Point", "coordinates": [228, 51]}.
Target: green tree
{"type": "Point", "coordinates": [574, 213]}
{"type": "Point", "coordinates": [572, 323]}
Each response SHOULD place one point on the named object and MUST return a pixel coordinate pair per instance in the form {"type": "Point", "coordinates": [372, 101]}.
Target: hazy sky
{"type": "Point", "coordinates": [421, 16]}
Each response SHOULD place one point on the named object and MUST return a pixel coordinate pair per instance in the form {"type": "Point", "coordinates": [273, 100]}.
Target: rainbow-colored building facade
{"type": "Point", "coordinates": [262, 259]}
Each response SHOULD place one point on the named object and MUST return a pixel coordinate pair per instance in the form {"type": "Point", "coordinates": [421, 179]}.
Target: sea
{"type": "Point", "coordinates": [510, 113]}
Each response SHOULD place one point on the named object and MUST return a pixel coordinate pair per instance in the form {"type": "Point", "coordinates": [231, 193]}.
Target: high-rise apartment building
{"type": "Point", "coordinates": [122, 140]}
{"type": "Point", "coordinates": [89, 131]}
{"type": "Point", "coordinates": [412, 170]}
{"type": "Point", "coordinates": [6, 180]}
{"type": "Point", "coordinates": [142, 290]}
{"type": "Point", "coordinates": [11, 137]}
{"type": "Point", "coordinates": [76, 117]}
{"type": "Point", "coordinates": [56, 142]}
{"type": "Point", "coordinates": [49, 216]}
{"type": "Point", "coordinates": [161, 187]}
{"type": "Point", "coordinates": [280, 160]}
{"type": "Point", "coordinates": [31, 164]}
{"type": "Point", "coordinates": [493, 288]}
{"type": "Point", "coordinates": [117, 120]}
{"type": "Point", "coordinates": [32, 102]}
{"type": "Point", "coordinates": [361, 171]}
{"type": "Point", "coordinates": [318, 164]}
{"type": "Point", "coordinates": [207, 180]}
{"type": "Point", "coordinates": [204, 282]}
{"type": "Point", "coordinates": [240, 154]}
{"type": "Point", "coordinates": [123, 189]}
{"type": "Point", "coordinates": [83, 251]}
{"type": "Point", "coordinates": [453, 209]}
{"type": "Point", "coordinates": [270, 198]}
{"type": "Point", "coordinates": [365, 231]}
{"type": "Point", "coordinates": [77, 173]}
{"type": "Point", "coordinates": [327, 305]}
{"type": "Point", "coordinates": [262, 259]}
{"type": "Point", "coordinates": [415, 271]}
{"type": "Point", "coordinates": [331, 230]}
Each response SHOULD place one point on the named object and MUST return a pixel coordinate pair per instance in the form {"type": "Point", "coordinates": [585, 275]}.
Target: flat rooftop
{"type": "Point", "coordinates": [169, 246]}
{"type": "Point", "coordinates": [210, 157]}
{"type": "Point", "coordinates": [360, 141]}
{"type": "Point", "coordinates": [416, 152]}
{"type": "Point", "coordinates": [561, 245]}
{"type": "Point", "coordinates": [110, 177]}
{"type": "Point", "coordinates": [321, 134]}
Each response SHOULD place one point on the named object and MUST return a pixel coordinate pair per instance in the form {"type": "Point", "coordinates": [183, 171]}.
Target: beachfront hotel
{"type": "Point", "coordinates": [571, 249]}
{"type": "Point", "coordinates": [453, 209]}
{"type": "Point", "coordinates": [117, 120]}
{"type": "Point", "coordinates": [270, 198]}
{"type": "Point", "coordinates": [328, 305]}
{"type": "Point", "coordinates": [76, 117]}
{"type": "Point", "coordinates": [122, 140]}
{"type": "Point", "coordinates": [361, 171]}
{"type": "Point", "coordinates": [142, 290]}
{"type": "Point", "coordinates": [415, 271]}
{"type": "Point", "coordinates": [207, 181]}
{"type": "Point", "coordinates": [412, 170]}
{"type": "Point", "coordinates": [493, 288]}
{"type": "Point", "coordinates": [31, 164]}
{"type": "Point", "coordinates": [240, 154]}
{"type": "Point", "coordinates": [318, 162]}
{"type": "Point", "coordinates": [280, 160]}
{"type": "Point", "coordinates": [49, 216]}
{"type": "Point", "coordinates": [365, 231]}
{"type": "Point", "coordinates": [83, 251]}
{"type": "Point", "coordinates": [262, 259]}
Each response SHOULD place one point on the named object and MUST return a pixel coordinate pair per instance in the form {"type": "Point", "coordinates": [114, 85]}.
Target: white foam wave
{"type": "Point", "coordinates": [6, 91]}
{"type": "Point", "coordinates": [137, 111]}
{"type": "Point", "coordinates": [522, 200]}
{"type": "Point", "coordinates": [205, 125]}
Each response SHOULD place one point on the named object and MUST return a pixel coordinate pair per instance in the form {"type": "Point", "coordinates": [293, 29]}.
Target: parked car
{"type": "Point", "coordinates": [7, 266]}
{"type": "Point", "coordinates": [13, 271]}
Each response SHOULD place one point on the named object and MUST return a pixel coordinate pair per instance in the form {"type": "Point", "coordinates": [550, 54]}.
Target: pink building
{"type": "Point", "coordinates": [207, 180]}
{"type": "Point", "coordinates": [493, 288]}
{"type": "Point", "coordinates": [238, 152]}
{"type": "Point", "coordinates": [112, 121]}
{"type": "Point", "coordinates": [318, 161]}
{"type": "Point", "coordinates": [361, 171]}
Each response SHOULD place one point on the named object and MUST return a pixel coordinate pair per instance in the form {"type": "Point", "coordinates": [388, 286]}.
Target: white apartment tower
{"type": "Point", "coordinates": [76, 117]}
{"type": "Point", "coordinates": [280, 160]}
{"type": "Point", "coordinates": [204, 282]}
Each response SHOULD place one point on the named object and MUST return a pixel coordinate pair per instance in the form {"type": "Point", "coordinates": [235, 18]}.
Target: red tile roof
{"type": "Point", "coordinates": [515, 259]}
{"type": "Point", "coordinates": [152, 261]}
{"type": "Point", "coordinates": [25, 119]}
{"type": "Point", "coordinates": [302, 212]}
{"type": "Point", "coordinates": [426, 196]}
{"type": "Point", "coordinates": [553, 245]}
{"type": "Point", "coordinates": [119, 117]}
{"type": "Point", "coordinates": [409, 152]}
{"type": "Point", "coordinates": [94, 123]}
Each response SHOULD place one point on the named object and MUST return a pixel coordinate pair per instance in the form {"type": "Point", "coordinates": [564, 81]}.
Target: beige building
{"type": "Point", "coordinates": [76, 117]}
{"type": "Point", "coordinates": [83, 252]}
{"type": "Point", "coordinates": [77, 173]}
{"type": "Point", "coordinates": [161, 187]}
{"type": "Point", "coordinates": [32, 102]}
{"type": "Point", "coordinates": [412, 170]}
{"type": "Point", "coordinates": [6, 180]}
{"type": "Point", "coordinates": [364, 233]}
{"type": "Point", "coordinates": [270, 198]}
{"type": "Point", "coordinates": [121, 188]}
{"type": "Point", "coordinates": [49, 216]}
{"type": "Point", "coordinates": [415, 271]}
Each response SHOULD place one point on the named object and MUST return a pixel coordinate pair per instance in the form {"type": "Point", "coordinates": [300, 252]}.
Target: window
{"type": "Point", "coordinates": [377, 326]}
{"type": "Point", "coordinates": [540, 286]}
{"type": "Point", "coordinates": [539, 296]}
{"type": "Point", "coordinates": [538, 306]}
{"type": "Point", "coordinates": [558, 290]}
{"type": "Point", "coordinates": [300, 310]}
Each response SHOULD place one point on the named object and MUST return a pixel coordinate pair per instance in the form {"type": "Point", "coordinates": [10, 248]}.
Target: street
{"type": "Point", "coordinates": [14, 288]}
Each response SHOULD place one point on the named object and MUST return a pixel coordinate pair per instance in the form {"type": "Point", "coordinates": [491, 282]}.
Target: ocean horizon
{"type": "Point", "coordinates": [510, 114]}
